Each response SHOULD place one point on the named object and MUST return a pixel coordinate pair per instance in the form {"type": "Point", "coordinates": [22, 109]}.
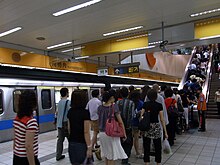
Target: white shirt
{"type": "Point", "coordinates": [192, 66]}
{"type": "Point", "coordinates": [217, 96]}
{"type": "Point", "coordinates": [206, 54]}
{"type": "Point", "coordinates": [92, 106]}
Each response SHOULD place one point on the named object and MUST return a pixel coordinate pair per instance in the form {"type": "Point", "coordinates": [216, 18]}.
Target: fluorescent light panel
{"type": "Point", "coordinates": [77, 7]}
{"type": "Point", "coordinates": [58, 45]}
{"type": "Point", "coordinates": [10, 31]}
{"type": "Point", "coordinates": [155, 42]}
{"type": "Point", "coordinates": [82, 57]}
{"type": "Point", "coordinates": [70, 50]}
{"type": "Point", "coordinates": [210, 37]}
{"type": "Point", "coordinates": [205, 12]}
{"type": "Point", "coordinates": [129, 38]}
{"type": "Point", "coordinates": [147, 47]}
{"type": "Point", "coordinates": [122, 31]}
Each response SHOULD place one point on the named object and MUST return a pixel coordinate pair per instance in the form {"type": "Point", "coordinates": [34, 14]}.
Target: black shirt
{"type": "Point", "coordinates": [154, 108]}
{"type": "Point", "coordinates": [77, 118]}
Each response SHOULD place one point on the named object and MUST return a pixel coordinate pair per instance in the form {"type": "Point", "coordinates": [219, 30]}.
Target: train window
{"type": "Point", "coordinates": [16, 97]}
{"type": "Point", "coordinates": [1, 102]}
{"type": "Point", "coordinates": [46, 99]}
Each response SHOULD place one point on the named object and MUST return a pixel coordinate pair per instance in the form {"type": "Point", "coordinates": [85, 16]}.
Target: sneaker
{"type": "Point", "coordinates": [60, 158]}
{"type": "Point", "coordinates": [141, 156]}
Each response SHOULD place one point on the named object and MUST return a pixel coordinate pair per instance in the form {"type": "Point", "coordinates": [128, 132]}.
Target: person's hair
{"type": "Point", "coordinates": [152, 94]}
{"type": "Point", "coordinates": [118, 94]}
{"type": "Point", "coordinates": [131, 88]}
{"type": "Point", "coordinates": [163, 87]}
{"type": "Point", "coordinates": [175, 91]}
{"type": "Point", "coordinates": [27, 103]}
{"type": "Point", "coordinates": [135, 97]}
{"type": "Point", "coordinates": [124, 92]}
{"type": "Point", "coordinates": [199, 89]}
{"type": "Point", "coordinates": [64, 92]}
{"type": "Point", "coordinates": [95, 93]}
{"type": "Point", "coordinates": [168, 92]}
{"type": "Point", "coordinates": [79, 99]}
{"type": "Point", "coordinates": [156, 87]}
{"type": "Point", "coordinates": [107, 95]}
{"type": "Point", "coordinates": [145, 89]}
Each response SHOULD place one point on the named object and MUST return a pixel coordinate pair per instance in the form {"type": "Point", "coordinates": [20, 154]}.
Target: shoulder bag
{"type": "Point", "coordinates": [65, 123]}
{"type": "Point", "coordinates": [112, 127]}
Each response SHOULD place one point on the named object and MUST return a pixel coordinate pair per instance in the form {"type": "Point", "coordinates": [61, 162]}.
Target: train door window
{"type": "Point", "coordinates": [46, 99]}
{"type": "Point", "coordinates": [1, 102]}
{"type": "Point", "coordinates": [16, 96]}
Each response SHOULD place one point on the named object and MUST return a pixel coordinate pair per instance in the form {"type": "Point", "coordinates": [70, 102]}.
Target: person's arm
{"type": "Point", "coordinates": [87, 137]}
{"type": "Point", "coordinates": [118, 116]}
{"type": "Point", "coordinates": [29, 141]}
{"type": "Point", "coordinates": [163, 123]}
{"type": "Point", "coordinates": [68, 125]}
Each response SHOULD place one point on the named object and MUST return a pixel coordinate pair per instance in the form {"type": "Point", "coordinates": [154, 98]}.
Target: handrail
{"type": "Point", "coordinates": [207, 83]}
{"type": "Point", "coordinates": [186, 70]}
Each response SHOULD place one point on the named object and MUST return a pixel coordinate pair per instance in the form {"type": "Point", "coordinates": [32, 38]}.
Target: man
{"type": "Point", "coordinates": [217, 99]}
{"type": "Point", "coordinates": [127, 110]}
{"type": "Point", "coordinates": [201, 106]}
{"type": "Point", "coordinates": [63, 107]}
{"type": "Point", "coordinates": [92, 106]}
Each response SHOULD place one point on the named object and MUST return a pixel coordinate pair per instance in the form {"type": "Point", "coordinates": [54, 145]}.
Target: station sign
{"type": "Point", "coordinates": [102, 71]}
{"type": "Point", "coordinates": [127, 68]}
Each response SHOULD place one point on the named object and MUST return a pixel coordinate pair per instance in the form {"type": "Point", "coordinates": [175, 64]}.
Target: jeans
{"type": "Point", "coordinates": [60, 140]}
{"type": "Point", "coordinates": [158, 149]}
{"type": "Point", "coordinates": [77, 152]}
{"type": "Point", "coordinates": [23, 160]}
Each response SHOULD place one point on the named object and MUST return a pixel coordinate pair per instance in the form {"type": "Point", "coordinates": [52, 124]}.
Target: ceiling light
{"type": "Point", "coordinates": [58, 45]}
{"type": "Point", "coordinates": [210, 37]}
{"type": "Point", "coordinates": [10, 31]}
{"type": "Point", "coordinates": [205, 12]}
{"type": "Point", "coordinates": [77, 7]}
{"type": "Point", "coordinates": [147, 47]}
{"type": "Point", "coordinates": [122, 31]}
{"type": "Point", "coordinates": [129, 38]}
{"type": "Point", "coordinates": [82, 57]}
{"type": "Point", "coordinates": [155, 42]}
{"type": "Point", "coordinates": [70, 50]}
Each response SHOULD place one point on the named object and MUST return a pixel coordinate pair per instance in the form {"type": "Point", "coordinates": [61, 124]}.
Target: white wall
{"type": "Point", "coordinates": [166, 63]}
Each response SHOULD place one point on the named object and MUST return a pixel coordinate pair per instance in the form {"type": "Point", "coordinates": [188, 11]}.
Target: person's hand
{"type": "Point", "coordinates": [89, 152]}
{"type": "Point", "coordinates": [124, 138]}
{"type": "Point", "coordinates": [166, 136]}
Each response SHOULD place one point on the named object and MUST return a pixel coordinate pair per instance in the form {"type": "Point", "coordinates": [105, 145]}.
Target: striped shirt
{"type": "Point", "coordinates": [20, 127]}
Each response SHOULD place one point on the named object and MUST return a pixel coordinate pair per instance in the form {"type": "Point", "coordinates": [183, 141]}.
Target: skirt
{"type": "Point", "coordinates": [154, 131]}
{"type": "Point", "coordinates": [111, 147]}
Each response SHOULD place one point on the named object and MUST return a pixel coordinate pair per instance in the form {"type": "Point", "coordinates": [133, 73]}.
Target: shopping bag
{"type": "Point", "coordinates": [88, 161]}
{"type": "Point", "coordinates": [166, 147]}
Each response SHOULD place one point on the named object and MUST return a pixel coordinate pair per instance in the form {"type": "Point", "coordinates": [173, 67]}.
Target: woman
{"type": "Point", "coordinates": [171, 102]}
{"type": "Point", "coordinates": [111, 146]}
{"type": "Point", "coordinates": [154, 132]}
{"type": "Point", "coordinates": [26, 131]}
{"type": "Point", "coordinates": [80, 145]}
{"type": "Point", "coordinates": [135, 97]}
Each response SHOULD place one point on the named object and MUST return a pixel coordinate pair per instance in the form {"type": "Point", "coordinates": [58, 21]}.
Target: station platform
{"type": "Point", "coordinates": [191, 148]}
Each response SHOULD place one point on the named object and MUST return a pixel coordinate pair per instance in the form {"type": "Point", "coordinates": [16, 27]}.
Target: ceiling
{"type": "Point", "coordinates": [88, 24]}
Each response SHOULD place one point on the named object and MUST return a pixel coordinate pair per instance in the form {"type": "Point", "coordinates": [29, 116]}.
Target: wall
{"type": "Point", "coordinates": [166, 63]}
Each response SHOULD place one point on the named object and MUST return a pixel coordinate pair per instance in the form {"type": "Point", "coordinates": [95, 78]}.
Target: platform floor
{"type": "Point", "coordinates": [191, 148]}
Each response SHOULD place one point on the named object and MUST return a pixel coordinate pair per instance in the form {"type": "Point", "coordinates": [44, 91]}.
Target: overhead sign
{"type": "Point", "coordinates": [102, 72]}
{"type": "Point", "coordinates": [127, 68]}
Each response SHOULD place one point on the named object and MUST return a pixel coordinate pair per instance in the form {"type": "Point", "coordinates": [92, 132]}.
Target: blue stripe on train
{"type": "Point", "coordinates": [8, 124]}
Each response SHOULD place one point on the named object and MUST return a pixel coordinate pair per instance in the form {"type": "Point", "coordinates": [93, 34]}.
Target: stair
{"type": "Point", "coordinates": [212, 111]}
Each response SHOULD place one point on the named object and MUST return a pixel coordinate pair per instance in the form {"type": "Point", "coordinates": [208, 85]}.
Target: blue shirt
{"type": "Point", "coordinates": [139, 107]}
{"type": "Point", "coordinates": [61, 106]}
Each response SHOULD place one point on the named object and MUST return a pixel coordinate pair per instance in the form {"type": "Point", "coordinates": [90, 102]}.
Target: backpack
{"type": "Point", "coordinates": [172, 110]}
{"type": "Point", "coordinates": [126, 110]}
{"type": "Point", "coordinates": [144, 123]}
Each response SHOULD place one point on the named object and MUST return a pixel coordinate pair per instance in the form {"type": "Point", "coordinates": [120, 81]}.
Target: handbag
{"type": "Point", "coordinates": [113, 128]}
{"type": "Point", "coordinates": [144, 123]}
{"type": "Point", "coordinates": [65, 123]}
{"type": "Point", "coordinates": [166, 147]}
{"type": "Point", "coordinates": [88, 161]}
{"type": "Point", "coordinates": [172, 110]}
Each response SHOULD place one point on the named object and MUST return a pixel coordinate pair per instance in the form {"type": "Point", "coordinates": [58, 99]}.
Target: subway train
{"type": "Point", "coordinates": [47, 90]}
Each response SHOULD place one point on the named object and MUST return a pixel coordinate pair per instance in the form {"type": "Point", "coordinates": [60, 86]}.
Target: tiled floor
{"type": "Point", "coordinates": [192, 148]}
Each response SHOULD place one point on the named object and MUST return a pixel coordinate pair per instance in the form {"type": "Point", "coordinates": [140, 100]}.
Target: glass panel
{"type": "Point", "coordinates": [1, 102]}
{"type": "Point", "coordinates": [46, 99]}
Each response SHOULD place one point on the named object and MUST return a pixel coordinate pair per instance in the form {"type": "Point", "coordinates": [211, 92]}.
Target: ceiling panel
{"type": "Point", "coordinates": [90, 23]}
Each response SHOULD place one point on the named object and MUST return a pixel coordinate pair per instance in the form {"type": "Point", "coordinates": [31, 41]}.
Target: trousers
{"type": "Point", "coordinates": [202, 119]}
{"type": "Point", "coordinates": [23, 160]}
{"type": "Point", "coordinates": [60, 140]}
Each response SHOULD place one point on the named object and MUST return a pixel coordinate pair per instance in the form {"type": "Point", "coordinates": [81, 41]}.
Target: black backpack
{"type": "Point", "coordinates": [144, 123]}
